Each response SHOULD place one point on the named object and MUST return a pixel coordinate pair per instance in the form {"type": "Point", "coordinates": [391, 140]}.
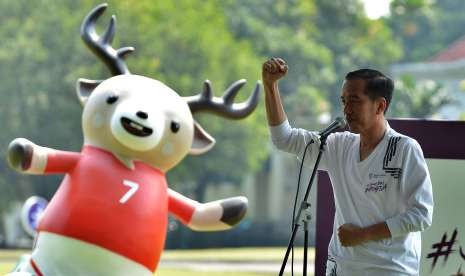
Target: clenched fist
{"type": "Point", "coordinates": [351, 235]}
{"type": "Point", "coordinates": [273, 69]}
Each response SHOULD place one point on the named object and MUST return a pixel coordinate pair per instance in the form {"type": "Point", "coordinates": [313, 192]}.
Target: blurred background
{"type": "Point", "coordinates": [420, 43]}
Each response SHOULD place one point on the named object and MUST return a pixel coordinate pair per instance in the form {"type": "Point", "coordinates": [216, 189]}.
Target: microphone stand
{"type": "Point", "coordinates": [304, 216]}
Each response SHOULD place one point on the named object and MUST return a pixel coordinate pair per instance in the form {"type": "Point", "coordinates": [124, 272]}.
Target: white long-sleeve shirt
{"type": "Point", "coordinates": [391, 185]}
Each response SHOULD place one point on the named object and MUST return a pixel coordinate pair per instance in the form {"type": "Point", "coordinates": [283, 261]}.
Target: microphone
{"type": "Point", "coordinates": [338, 123]}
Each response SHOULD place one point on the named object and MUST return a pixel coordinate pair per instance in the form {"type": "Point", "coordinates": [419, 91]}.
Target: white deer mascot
{"type": "Point", "coordinates": [110, 213]}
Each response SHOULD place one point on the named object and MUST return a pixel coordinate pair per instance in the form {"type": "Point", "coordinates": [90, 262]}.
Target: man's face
{"type": "Point", "coordinates": [360, 111]}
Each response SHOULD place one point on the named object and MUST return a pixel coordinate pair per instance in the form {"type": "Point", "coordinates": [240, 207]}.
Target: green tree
{"type": "Point", "coordinates": [354, 40]}
{"type": "Point", "coordinates": [39, 59]}
{"type": "Point", "coordinates": [286, 29]}
{"type": "Point", "coordinates": [426, 27]}
{"type": "Point", "coordinates": [413, 21]}
{"type": "Point", "coordinates": [414, 99]}
{"type": "Point", "coordinates": [321, 41]}
{"type": "Point", "coordinates": [185, 48]}
{"type": "Point", "coordinates": [180, 43]}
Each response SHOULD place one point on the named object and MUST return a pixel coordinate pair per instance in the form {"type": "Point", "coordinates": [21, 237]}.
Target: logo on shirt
{"type": "Point", "coordinates": [391, 152]}
{"type": "Point", "coordinates": [375, 187]}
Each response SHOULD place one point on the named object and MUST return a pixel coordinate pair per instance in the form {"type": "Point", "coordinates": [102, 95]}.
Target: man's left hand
{"type": "Point", "coordinates": [351, 235]}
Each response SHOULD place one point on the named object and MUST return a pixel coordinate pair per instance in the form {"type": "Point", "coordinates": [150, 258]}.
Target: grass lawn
{"type": "Point", "coordinates": [173, 272]}
{"type": "Point", "coordinates": [235, 254]}
{"type": "Point", "coordinates": [6, 267]}
{"type": "Point", "coordinates": [8, 259]}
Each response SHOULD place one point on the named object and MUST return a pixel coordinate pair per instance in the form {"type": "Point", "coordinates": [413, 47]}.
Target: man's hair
{"type": "Point", "coordinates": [376, 84]}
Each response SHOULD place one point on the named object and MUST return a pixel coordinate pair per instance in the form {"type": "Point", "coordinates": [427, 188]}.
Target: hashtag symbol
{"type": "Point", "coordinates": [440, 246]}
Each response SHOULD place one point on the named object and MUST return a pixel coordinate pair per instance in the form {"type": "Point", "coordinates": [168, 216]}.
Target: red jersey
{"type": "Point", "coordinates": [103, 202]}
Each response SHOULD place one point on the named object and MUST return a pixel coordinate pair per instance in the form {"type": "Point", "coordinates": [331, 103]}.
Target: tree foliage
{"type": "Point", "coordinates": [286, 29]}
{"type": "Point", "coordinates": [426, 27]}
{"type": "Point", "coordinates": [43, 56]}
{"type": "Point", "coordinates": [39, 58]}
{"type": "Point", "coordinates": [418, 99]}
{"type": "Point", "coordinates": [184, 42]}
{"type": "Point", "coordinates": [354, 40]}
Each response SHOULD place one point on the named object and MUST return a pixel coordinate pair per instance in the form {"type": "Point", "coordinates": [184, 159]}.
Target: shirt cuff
{"type": "Point", "coordinates": [394, 227]}
{"type": "Point", "coordinates": [280, 130]}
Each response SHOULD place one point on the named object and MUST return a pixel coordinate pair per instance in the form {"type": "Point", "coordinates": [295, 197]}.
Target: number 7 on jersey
{"type": "Point", "coordinates": [133, 187]}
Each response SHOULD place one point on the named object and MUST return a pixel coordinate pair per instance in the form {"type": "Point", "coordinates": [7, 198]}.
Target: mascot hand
{"type": "Point", "coordinates": [234, 210]}
{"type": "Point", "coordinates": [20, 153]}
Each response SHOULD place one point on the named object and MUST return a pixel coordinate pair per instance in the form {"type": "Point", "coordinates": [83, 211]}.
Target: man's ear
{"type": "Point", "coordinates": [203, 141]}
{"type": "Point", "coordinates": [84, 88]}
{"type": "Point", "coordinates": [381, 106]}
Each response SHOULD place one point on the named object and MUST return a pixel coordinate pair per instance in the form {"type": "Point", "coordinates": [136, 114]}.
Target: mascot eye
{"type": "Point", "coordinates": [175, 126]}
{"type": "Point", "coordinates": [112, 99]}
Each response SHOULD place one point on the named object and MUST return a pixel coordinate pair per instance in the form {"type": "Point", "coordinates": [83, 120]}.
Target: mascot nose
{"type": "Point", "coordinates": [142, 115]}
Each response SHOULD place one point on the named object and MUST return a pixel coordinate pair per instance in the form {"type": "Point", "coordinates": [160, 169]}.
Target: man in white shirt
{"type": "Point", "coordinates": [382, 188]}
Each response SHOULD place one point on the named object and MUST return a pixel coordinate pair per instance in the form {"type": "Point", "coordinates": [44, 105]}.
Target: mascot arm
{"type": "Point", "coordinates": [211, 216]}
{"type": "Point", "coordinates": [27, 157]}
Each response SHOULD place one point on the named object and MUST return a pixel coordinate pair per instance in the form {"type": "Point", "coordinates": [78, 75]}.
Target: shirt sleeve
{"type": "Point", "coordinates": [59, 161]}
{"type": "Point", "coordinates": [418, 194]}
{"type": "Point", "coordinates": [181, 207]}
{"type": "Point", "coordinates": [295, 140]}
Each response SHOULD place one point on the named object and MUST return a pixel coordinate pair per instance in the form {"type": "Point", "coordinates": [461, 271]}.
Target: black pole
{"type": "Point", "coordinates": [305, 247]}
{"type": "Point", "coordinates": [303, 206]}
{"type": "Point", "coordinates": [291, 242]}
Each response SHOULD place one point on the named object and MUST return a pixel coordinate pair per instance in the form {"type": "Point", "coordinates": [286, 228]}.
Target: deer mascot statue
{"type": "Point", "coordinates": [109, 215]}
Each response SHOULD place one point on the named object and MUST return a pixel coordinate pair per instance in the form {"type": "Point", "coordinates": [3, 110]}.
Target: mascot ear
{"type": "Point", "coordinates": [84, 88]}
{"type": "Point", "coordinates": [203, 141]}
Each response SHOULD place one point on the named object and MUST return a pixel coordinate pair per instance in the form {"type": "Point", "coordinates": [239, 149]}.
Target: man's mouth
{"type": "Point", "coordinates": [135, 128]}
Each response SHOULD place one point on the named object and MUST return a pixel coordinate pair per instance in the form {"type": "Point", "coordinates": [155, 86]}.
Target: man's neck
{"type": "Point", "coordinates": [372, 137]}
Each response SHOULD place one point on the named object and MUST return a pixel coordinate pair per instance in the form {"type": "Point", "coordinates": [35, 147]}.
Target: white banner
{"type": "Point", "coordinates": [443, 244]}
